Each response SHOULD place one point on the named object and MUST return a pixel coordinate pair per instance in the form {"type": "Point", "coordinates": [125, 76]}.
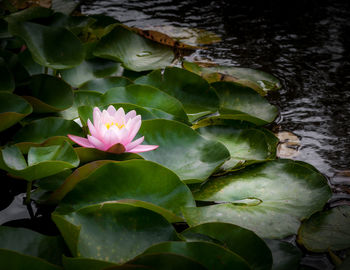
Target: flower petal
{"type": "Point", "coordinates": [143, 148]}
{"type": "Point", "coordinates": [81, 141]}
{"type": "Point", "coordinates": [93, 131]}
{"type": "Point", "coordinates": [119, 117]}
{"type": "Point", "coordinates": [111, 110]}
{"type": "Point", "coordinates": [134, 143]}
{"type": "Point", "coordinates": [97, 143]}
{"type": "Point", "coordinates": [130, 115]}
{"type": "Point", "coordinates": [133, 127]}
{"type": "Point", "coordinates": [96, 116]}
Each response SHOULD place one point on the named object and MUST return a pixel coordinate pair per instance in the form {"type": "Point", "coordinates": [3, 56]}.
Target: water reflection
{"type": "Point", "coordinates": [305, 45]}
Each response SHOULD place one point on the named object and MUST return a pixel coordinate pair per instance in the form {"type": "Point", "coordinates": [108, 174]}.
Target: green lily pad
{"type": "Point", "coordinates": [269, 198]}
{"type": "Point", "coordinates": [89, 70]}
{"type": "Point", "coordinates": [104, 84]}
{"type": "Point", "coordinates": [285, 255]}
{"type": "Point", "coordinates": [41, 162]}
{"type": "Point", "coordinates": [86, 112]}
{"type": "Point", "coordinates": [328, 230]}
{"type": "Point", "coordinates": [37, 247]}
{"type": "Point", "coordinates": [112, 232]}
{"type": "Point", "coordinates": [243, 103]}
{"type": "Point", "coordinates": [247, 144]}
{"type": "Point", "coordinates": [148, 97]}
{"type": "Point", "coordinates": [133, 179]}
{"type": "Point", "coordinates": [12, 109]}
{"type": "Point", "coordinates": [57, 48]}
{"type": "Point", "coordinates": [260, 81]}
{"type": "Point", "coordinates": [43, 91]}
{"type": "Point", "coordinates": [87, 155]}
{"type": "Point", "coordinates": [194, 92]}
{"type": "Point", "coordinates": [29, 64]}
{"type": "Point", "coordinates": [82, 98]}
{"type": "Point", "coordinates": [251, 248]}
{"type": "Point", "coordinates": [133, 51]}
{"type": "Point", "coordinates": [85, 264]}
{"type": "Point", "coordinates": [7, 82]}
{"type": "Point", "coordinates": [29, 14]}
{"type": "Point", "coordinates": [40, 130]}
{"type": "Point", "coordinates": [182, 150]}
{"type": "Point", "coordinates": [205, 253]}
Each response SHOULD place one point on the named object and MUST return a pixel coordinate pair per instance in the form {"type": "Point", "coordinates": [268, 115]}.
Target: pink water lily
{"type": "Point", "coordinates": [113, 131]}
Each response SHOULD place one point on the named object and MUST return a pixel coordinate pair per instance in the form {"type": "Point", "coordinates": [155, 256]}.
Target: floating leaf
{"type": "Point", "coordinates": [30, 245]}
{"type": "Point", "coordinates": [85, 264]}
{"type": "Point", "coordinates": [205, 253]}
{"type": "Point", "coordinates": [104, 84]}
{"type": "Point", "coordinates": [242, 103]}
{"type": "Point", "coordinates": [134, 179]}
{"type": "Point", "coordinates": [135, 52]}
{"type": "Point", "coordinates": [247, 144]}
{"type": "Point", "coordinates": [182, 150]}
{"type": "Point", "coordinates": [12, 109]}
{"type": "Point", "coordinates": [29, 14]}
{"type": "Point", "coordinates": [40, 130]}
{"type": "Point", "coordinates": [112, 232]}
{"type": "Point", "coordinates": [251, 248]}
{"type": "Point", "coordinates": [48, 94]}
{"type": "Point", "coordinates": [89, 70]}
{"type": "Point", "coordinates": [148, 97]}
{"type": "Point", "coordinates": [194, 92]}
{"type": "Point", "coordinates": [327, 230]}
{"type": "Point", "coordinates": [260, 81]}
{"type": "Point", "coordinates": [29, 64]}
{"type": "Point", "coordinates": [189, 36]}
{"type": "Point", "coordinates": [41, 162]}
{"type": "Point", "coordinates": [285, 255]}
{"type": "Point", "coordinates": [52, 47]}
{"type": "Point", "coordinates": [270, 198]}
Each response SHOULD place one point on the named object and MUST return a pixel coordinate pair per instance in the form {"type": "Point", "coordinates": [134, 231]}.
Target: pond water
{"type": "Point", "coordinates": [306, 45]}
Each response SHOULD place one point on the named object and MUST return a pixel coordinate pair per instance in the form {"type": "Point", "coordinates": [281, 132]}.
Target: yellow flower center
{"type": "Point", "coordinates": [109, 125]}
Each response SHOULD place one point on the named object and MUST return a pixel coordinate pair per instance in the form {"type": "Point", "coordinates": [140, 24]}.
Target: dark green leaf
{"type": "Point", "coordinates": [104, 84]}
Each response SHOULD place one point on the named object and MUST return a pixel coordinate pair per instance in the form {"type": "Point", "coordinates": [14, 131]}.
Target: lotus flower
{"type": "Point", "coordinates": [113, 131]}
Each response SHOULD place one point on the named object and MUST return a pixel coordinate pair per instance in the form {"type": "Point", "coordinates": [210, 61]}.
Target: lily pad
{"type": "Point", "coordinates": [135, 52]}
{"type": "Point", "coordinates": [112, 232]}
{"type": "Point", "coordinates": [243, 103]}
{"type": "Point", "coordinates": [31, 245]}
{"type": "Point", "coordinates": [29, 64]}
{"type": "Point", "coordinates": [57, 48]}
{"type": "Point", "coordinates": [260, 81]}
{"type": "Point", "coordinates": [89, 70]}
{"type": "Point", "coordinates": [48, 94]}
{"type": "Point", "coordinates": [148, 97]}
{"type": "Point", "coordinates": [29, 14]}
{"type": "Point", "coordinates": [134, 179]}
{"type": "Point", "coordinates": [85, 264]}
{"type": "Point", "coordinates": [251, 248]}
{"type": "Point", "coordinates": [247, 144]}
{"type": "Point", "coordinates": [40, 130]}
{"type": "Point", "coordinates": [41, 162]}
{"type": "Point", "coordinates": [270, 198]}
{"type": "Point", "coordinates": [7, 82]}
{"type": "Point", "coordinates": [328, 230]}
{"type": "Point", "coordinates": [182, 149]}
{"type": "Point", "coordinates": [285, 255]}
{"type": "Point", "coordinates": [205, 253]}
{"type": "Point", "coordinates": [104, 84]}
{"type": "Point", "coordinates": [12, 109]}
{"type": "Point", "coordinates": [195, 93]}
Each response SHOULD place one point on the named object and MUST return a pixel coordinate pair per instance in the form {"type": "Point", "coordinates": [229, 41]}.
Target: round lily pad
{"type": "Point", "coordinates": [134, 179]}
{"type": "Point", "coordinates": [7, 82]}
{"type": "Point", "coordinates": [194, 92]}
{"type": "Point", "coordinates": [12, 109]}
{"type": "Point", "coordinates": [182, 150]}
{"type": "Point", "coordinates": [48, 94]}
{"type": "Point", "coordinates": [104, 84]}
{"type": "Point", "coordinates": [112, 232]}
{"type": "Point", "coordinates": [54, 47]}
{"type": "Point", "coordinates": [328, 230]}
{"type": "Point", "coordinates": [40, 130]}
{"type": "Point", "coordinates": [133, 51]}
{"type": "Point", "coordinates": [269, 198]}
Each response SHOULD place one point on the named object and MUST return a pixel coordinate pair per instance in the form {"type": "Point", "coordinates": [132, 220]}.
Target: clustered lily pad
{"type": "Point", "coordinates": [195, 185]}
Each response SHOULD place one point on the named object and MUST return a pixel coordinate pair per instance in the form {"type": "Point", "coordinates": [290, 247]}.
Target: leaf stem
{"type": "Point", "coordinates": [29, 189]}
